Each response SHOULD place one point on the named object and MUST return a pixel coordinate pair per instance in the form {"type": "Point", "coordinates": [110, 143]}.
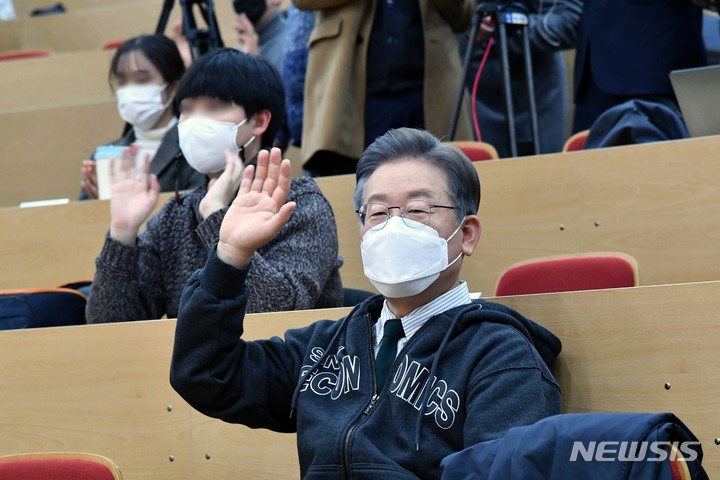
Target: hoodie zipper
{"type": "Point", "coordinates": [346, 452]}
{"type": "Point", "coordinates": [373, 400]}
{"type": "Point", "coordinates": [376, 396]}
{"type": "Point", "coordinates": [368, 409]}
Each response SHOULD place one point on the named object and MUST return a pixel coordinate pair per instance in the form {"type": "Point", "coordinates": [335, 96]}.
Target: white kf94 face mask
{"type": "Point", "coordinates": [203, 142]}
{"type": "Point", "coordinates": [402, 261]}
{"type": "Point", "coordinates": [141, 105]}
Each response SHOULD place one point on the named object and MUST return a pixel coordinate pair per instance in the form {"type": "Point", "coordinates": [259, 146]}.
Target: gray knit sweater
{"type": "Point", "coordinates": [296, 270]}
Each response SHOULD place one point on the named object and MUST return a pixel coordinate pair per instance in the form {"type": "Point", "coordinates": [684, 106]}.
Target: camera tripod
{"type": "Point", "coordinates": [507, 16]}
{"type": "Point", "coordinates": [201, 40]}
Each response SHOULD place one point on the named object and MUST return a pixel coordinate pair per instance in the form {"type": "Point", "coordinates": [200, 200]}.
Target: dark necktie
{"type": "Point", "coordinates": [393, 331]}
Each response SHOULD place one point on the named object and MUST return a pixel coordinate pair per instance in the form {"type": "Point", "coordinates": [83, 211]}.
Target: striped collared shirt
{"type": "Point", "coordinates": [412, 322]}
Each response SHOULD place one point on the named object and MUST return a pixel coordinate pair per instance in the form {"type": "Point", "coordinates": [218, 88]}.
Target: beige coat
{"type": "Point", "coordinates": [333, 117]}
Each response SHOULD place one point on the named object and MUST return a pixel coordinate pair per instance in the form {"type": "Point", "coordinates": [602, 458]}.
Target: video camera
{"type": "Point", "coordinates": [509, 13]}
{"type": "Point", "coordinates": [510, 16]}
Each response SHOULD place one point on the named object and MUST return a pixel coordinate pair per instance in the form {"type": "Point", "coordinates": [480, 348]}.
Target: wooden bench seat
{"type": "Point", "coordinates": [104, 388]}
{"type": "Point", "coordinates": [656, 202]}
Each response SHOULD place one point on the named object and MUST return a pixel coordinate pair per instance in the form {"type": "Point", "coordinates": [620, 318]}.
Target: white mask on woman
{"type": "Point", "coordinates": [141, 105]}
{"type": "Point", "coordinates": [402, 261]}
{"type": "Point", "coordinates": [203, 142]}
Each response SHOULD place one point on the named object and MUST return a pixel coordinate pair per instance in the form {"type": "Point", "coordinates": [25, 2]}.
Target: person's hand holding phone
{"type": "Point", "coordinates": [89, 183]}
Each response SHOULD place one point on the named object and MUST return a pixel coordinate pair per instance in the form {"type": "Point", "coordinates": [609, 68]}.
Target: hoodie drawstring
{"type": "Point", "coordinates": [433, 370]}
{"type": "Point", "coordinates": [426, 393]}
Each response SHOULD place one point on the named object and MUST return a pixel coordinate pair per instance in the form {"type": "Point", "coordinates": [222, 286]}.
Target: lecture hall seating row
{"type": "Point", "coordinates": [656, 202]}
{"type": "Point", "coordinates": [105, 389]}
{"type": "Point", "coordinates": [62, 106]}
{"type": "Point", "coordinates": [73, 78]}
{"type": "Point", "coordinates": [24, 8]}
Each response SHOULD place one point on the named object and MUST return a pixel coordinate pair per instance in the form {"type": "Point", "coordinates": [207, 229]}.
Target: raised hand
{"type": "Point", "coordinates": [487, 27]}
{"type": "Point", "coordinates": [247, 36]}
{"type": "Point", "coordinates": [222, 190]}
{"type": "Point", "coordinates": [259, 211]}
{"type": "Point", "coordinates": [89, 183]}
{"type": "Point", "coordinates": [181, 42]}
{"type": "Point", "coordinates": [132, 197]}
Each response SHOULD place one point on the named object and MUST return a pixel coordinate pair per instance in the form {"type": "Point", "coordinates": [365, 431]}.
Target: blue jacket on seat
{"type": "Point", "coordinates": [587, 446]}
{"type": "Point", "coordinates": [640, 120]}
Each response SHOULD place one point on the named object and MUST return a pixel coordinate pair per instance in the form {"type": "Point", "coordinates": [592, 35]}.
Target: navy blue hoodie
{"type": "Point", "coordinates": [466, 376]}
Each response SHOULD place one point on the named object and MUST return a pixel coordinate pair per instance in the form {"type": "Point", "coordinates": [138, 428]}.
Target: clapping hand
{"type": "Point", "coordinates": [133, 197]}
{"type": "Point", "coordinates": [259, 211]}
{"type": "Point", "coordinates": [222, 190]}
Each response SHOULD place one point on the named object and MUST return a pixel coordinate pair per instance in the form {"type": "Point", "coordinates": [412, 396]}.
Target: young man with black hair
{"type": "Point", "coordinates": [231, 106]}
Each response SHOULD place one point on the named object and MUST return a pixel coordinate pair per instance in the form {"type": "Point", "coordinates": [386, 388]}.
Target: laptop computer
{"type": "Point", "coordinates": [698, 95]}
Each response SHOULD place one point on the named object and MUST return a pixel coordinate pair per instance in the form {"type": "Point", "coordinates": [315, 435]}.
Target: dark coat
{"type": "Point", "coordinates": [630, 46]}
{"type": "Point", "coordinates": [333, 116]}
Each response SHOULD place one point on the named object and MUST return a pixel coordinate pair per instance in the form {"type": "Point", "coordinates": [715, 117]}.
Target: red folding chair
{"type": "Point", "coordinates": [477, 151]}
{"type": "Point", "coordinates": [576, 141]}
{"type": "Point", "coordinates": [563, 273]}
{"type": "Point", "coordinates": [58, 466]}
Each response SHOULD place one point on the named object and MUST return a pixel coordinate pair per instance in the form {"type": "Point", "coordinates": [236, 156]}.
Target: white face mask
{"type": "Point", "coordinates": [141, 105]}
{"type": "Point", "coordinates": [203, 142]}
{"type": "Point", "coordinates": [402, 261]}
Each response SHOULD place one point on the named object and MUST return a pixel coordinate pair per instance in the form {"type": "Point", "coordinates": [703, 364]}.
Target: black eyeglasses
{"type": "Point", "coordinates": [376, 214]}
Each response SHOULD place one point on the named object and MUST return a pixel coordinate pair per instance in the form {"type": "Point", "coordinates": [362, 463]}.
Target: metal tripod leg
{"type": "Point", "coordinates": [532, 104]}
{"type": "Point", "coordinates": [201, 40]}
{"type": "Point", "coordinates": [516, 17]}
{"type": "Point", "coordinates": [164, 15]}
{"type": "Point", "coordinates": [507, 89]}
{"type": "Point", "coordinates": [466, 64]}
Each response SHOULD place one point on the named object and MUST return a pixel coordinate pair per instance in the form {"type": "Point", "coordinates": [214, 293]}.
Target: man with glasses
{"type": "Point", "coordinates": [408, 376]}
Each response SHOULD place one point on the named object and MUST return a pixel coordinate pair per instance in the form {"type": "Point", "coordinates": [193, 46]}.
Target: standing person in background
{"type": "Point", "coordinates": [375, 65]}
{"type": "Point", "coordinates": [145, 72]}
{"type": "Point", "coordinates": [231, 106]}
{"type": "Point", "coordinates": [260, 25]}
{"type": "Point", "coordinates": [553, 27]}
{"type": "Point", "coordinates": [261, 29]}
{"type": "Point", "coordinates": [626, 49]}
{"type": "Point", "coordinates": [299, 26]}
